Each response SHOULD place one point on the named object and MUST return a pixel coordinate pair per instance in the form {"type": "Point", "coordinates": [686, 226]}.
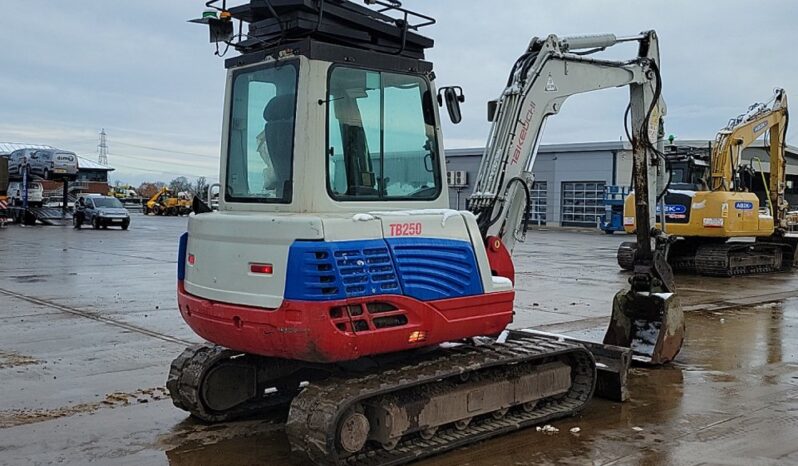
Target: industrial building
{"type": "Point", "coordinates": [570, 178]}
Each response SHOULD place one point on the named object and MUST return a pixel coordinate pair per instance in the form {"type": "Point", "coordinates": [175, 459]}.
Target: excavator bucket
{"type": "Point", "coordinates": [648, 318]}
{"type": "Point", "coordinates": [651, 324]}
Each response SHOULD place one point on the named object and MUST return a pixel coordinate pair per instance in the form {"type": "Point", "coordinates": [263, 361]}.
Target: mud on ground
{"type": "Point", "coordinates": [89, 325]}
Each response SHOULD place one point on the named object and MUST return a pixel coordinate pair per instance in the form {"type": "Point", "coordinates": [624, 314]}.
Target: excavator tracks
{"type": "Point", "coordinates": [734, 258]}
{"type": "Point", "coordinates": [681, 259]}
{"type": "Point", "coordinates": [342, 421]}
{"type": "Point", "coordinates": [215, 384]}
{"type": "Point", "coordinates": [738, 258]}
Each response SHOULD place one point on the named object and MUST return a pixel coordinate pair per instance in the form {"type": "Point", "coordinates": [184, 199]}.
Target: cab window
{"type": "Point", "coordinates": [381, 139]}
{"type": "Point", "coordinates": [260, 154]}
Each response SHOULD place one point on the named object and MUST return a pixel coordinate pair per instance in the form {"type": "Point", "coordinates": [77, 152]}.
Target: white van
{"type": "Point", "coordinates": [35, 194]}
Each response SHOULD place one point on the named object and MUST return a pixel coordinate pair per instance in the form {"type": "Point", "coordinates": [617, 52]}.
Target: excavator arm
{"type": "Point", "coordinates": [772, 119]}
{"type": "Point", "coordinates": [646, 317]}
{"type": "Point", "coordinates": [552, 70]}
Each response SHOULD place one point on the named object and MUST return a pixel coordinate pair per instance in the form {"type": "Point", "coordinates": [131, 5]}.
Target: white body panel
{"type": "Point", "coordinates": [224, 244]}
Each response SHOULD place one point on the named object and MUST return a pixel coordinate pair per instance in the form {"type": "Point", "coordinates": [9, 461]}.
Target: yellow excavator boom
{"type": "Point", "coordinates": [740, 134]}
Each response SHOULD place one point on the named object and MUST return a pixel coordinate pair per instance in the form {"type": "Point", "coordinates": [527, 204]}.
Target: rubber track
{"type": "Point", "coordinates": [313, 419]}
{"type": "Point", "coordinates": [715, 260]}
{"type": "Point", "coordinates": [186, 375]}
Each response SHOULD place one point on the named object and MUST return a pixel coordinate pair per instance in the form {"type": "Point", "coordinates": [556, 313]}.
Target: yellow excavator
{"type": "Point", "coordinates": [707, 207]}
{"type": "Point", "coordinates": [165, 203]}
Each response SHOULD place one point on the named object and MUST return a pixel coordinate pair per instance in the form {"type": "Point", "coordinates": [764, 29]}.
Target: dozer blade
{"type": "Point", "coordinates": [648, 318]}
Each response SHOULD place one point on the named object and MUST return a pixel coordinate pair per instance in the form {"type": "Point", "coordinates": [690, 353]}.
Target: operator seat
{"type": "Point", "coordinates": [279, 134]}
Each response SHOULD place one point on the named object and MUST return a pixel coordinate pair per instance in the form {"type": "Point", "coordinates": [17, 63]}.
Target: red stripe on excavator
{"type": "Point", "coordinates": [312, 331]}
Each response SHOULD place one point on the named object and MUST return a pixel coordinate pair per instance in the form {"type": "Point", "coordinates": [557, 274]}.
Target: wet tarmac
{"type": "Point", "coordinates": [89, 325]}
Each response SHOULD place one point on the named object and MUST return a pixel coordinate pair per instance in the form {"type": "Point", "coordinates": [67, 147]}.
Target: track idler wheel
{"type": "Point", "coordinates": [626, 255]}
{"type": "Point", "coordinates": [648, 318]}
{"type": "Point", "coordinates": [215, 384]}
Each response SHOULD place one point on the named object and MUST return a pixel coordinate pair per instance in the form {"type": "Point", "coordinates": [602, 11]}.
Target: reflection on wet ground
{"type": "Point", "coordinates": [731, 399]}
{"type": "Point", "coordinates": [85, 350]}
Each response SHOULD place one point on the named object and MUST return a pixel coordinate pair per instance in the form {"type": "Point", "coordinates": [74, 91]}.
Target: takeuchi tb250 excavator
{"type": "Point", "coordinates": [334, 278]}
{"type": "Point", "coordinates": [706, 207]}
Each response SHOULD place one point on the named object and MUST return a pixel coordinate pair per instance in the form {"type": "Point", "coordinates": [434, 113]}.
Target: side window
{"type": "Point", "coordinates": [260, 153]}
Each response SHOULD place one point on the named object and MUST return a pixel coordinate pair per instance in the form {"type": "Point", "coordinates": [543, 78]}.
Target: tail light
{"type": "Point", "coordinates": [262, 269]}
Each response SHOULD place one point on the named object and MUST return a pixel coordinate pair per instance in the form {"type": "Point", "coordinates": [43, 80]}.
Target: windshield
{"type": "Point", "coordinates": [107, 202]}
{"type": "Point", "coordinates": [687, 175]}
{"type": "Point", "coordinates": [381, 137]}
{"type": "Point", "coordinates": [261, 140]}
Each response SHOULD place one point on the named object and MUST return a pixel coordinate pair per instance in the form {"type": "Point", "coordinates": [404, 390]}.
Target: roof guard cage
{"type": "Point", "coordinates": [395, 5]}
{"type": "Point", "coordinates": [379, 25]}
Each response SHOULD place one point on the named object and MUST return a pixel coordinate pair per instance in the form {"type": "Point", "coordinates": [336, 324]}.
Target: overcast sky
{"type": "Point", "coordinates": [139, 70]}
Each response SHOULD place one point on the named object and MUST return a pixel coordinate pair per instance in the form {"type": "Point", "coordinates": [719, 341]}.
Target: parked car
{"type": "Point", "coordinates": [35, 193]}
{"type": "Point", "coordinates": [47, 163]}
{"type": "Point", "coordinates": [100, 212]}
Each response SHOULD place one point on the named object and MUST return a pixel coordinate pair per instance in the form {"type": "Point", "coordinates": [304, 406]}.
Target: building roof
{"type": "Point", "coordinates": [792, 151]}
{"type": "Point", "coordinates": [569, 147]}
{"type": "Point", "coordinates": [84, 163]}
{"type": "Point", "coordinates": [87, 164]}
{"type": "Point", "coordinates": [9, 147]}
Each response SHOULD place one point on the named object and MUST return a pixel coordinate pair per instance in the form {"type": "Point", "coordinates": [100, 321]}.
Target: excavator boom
{"type": "Point", "coordinates": [551, 70]}
{"type": "Point", "coordinates": [771, 120]}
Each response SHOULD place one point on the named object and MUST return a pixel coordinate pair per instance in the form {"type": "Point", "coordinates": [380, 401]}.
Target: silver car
{"type": "Point", "coordinates": [47, 163]}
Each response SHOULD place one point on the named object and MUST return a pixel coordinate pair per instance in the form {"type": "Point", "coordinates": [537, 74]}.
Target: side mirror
{"type": "Point", "coordinates": [452, 96]}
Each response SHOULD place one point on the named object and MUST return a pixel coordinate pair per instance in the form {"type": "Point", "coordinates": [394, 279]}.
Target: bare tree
{"type": "Point", "coordinates": [201, 188]}
{"type": "Point", "coordinates": [180, 184]}
{"type": "Point", "coordinates": [148, 189]}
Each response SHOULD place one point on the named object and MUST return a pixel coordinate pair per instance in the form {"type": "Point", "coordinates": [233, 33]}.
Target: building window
{"type": "Point", "coordinates": [537, 210]}
{"type": "Point", "coordinates": [582, 203]}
